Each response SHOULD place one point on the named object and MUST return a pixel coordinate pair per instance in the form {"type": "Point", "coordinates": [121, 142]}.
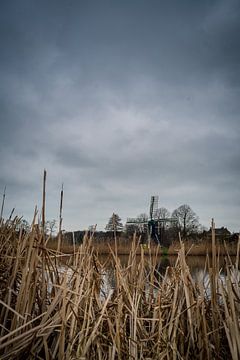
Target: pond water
{"type": "Point", "coordinates": [196, 264]}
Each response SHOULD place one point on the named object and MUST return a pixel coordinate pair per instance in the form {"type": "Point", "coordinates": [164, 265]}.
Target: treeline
{"type": "Point", "coordinates": [168, 226]}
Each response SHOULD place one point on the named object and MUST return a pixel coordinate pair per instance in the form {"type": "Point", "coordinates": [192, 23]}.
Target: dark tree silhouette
{"type": "Point", "coordinates": [162, 213]}
{"type": "Point", "coordinates": [114, 224]}
{"type": "Point", "coordinates": [139, 224]}
{"type": "Point", "coordinates": [187, 220]}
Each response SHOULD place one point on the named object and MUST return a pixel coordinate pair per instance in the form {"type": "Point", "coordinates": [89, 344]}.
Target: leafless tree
{"type": "Point", "coordinates": [142, 217]}
{"type": "Point", "coordinates": [187, 220]}
{"type": "Point", "coordinates": [142, 226]}
{"type": "Point", "coordinates": [162, 213]}
{"type": "Point", "coordinates": [50, 227]}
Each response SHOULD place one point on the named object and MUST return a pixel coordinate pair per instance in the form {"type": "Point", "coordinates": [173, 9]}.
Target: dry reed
{"type": "Point", "coordinates": [53, 310]}
{"type": "Point", "coordinates": [199, 248]}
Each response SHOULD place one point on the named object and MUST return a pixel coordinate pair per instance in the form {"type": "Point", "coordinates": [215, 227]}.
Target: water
{"type": "Point", "coordinates": [196, 264]}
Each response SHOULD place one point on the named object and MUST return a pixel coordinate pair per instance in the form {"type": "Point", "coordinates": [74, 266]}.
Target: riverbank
{"type": "Point", "coordinates": [124, 246]}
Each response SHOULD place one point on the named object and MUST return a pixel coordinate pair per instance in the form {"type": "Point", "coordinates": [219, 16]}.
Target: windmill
{"type": "Point", "coordinates": [155, 225]}
{"type": "Point", "coordinates": [152, 224]}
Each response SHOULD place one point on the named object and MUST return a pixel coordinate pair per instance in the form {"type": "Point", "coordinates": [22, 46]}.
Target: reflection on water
{"type": "Point", "coordinates": [197, 266]}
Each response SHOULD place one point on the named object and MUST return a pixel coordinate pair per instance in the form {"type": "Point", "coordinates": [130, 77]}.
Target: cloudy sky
{"type": "Point", "coordinates": [120, 100]}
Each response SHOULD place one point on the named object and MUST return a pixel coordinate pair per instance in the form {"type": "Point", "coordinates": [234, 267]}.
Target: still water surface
{"type": "Point", "coordinates": [196, 264]}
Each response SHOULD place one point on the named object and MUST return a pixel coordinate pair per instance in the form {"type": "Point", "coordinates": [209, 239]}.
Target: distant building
{"type": "Point", "coordinates": [221, 234]}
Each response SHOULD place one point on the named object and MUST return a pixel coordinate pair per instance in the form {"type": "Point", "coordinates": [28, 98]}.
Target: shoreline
{"type": "Point", "coordinates": [191, 249]}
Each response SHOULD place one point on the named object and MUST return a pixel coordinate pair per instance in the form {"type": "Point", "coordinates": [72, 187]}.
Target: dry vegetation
{"type": "Point", "coordinates": [51, 310]}
{"type": "Point", "coordinates": [195, 248]}
{"type": "Point", "coordinates": [204, 247]}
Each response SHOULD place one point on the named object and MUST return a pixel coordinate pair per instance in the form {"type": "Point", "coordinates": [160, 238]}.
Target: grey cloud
{"type": "Point", "coordinates": [120, 100]}
{"type": "Point", "coordinates": [74, 157]}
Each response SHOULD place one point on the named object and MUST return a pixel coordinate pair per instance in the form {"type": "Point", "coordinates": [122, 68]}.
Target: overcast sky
{"type": "Point", "coordinates": [120, 100]}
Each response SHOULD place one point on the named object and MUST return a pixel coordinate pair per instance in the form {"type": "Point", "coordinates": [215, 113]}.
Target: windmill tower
{"type": "Point", "coordinates": [155, 226]}
{"type": "Point", "coordinates": [152, 230]}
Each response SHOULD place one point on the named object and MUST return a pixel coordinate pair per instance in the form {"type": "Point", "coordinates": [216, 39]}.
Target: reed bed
{"type": "Point", "coordinates": [204, 247]}
{"type": "Point", "coordinates": [50, 309]}
{"type": "Point", "coordinates": [105, 247]}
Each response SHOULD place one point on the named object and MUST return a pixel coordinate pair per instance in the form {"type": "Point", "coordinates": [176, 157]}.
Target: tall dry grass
{"type": "Point", "coordinates": [204, 247]}
{"type": "Point", "coordinates": [53, 310]}
{"type": "Point", "coordinates": [105, 247]}
{"type": "Point", "coordinates": [194, 248]}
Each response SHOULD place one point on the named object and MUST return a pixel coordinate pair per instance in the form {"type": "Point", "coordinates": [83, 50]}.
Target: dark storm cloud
{"type": "Point", "coordinates": [120, 100]}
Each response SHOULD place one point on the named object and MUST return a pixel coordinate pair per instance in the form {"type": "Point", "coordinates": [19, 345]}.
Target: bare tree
{"type": "Point", "coordinates": [142, 217]}
{"type": "Point", "coordinates": [162, 213]}
{"type": "Point", "coordinates": [50, 227]}
{"type": "Point", "coordinates": [139, 224]}
{"type": "Point", "coordinates": [187, 220]}
{"type": "Point", "coordinates": [143, 221]}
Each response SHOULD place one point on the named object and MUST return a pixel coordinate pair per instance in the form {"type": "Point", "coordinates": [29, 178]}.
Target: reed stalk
{"type": "Point", "coordinates": [51, 308]}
